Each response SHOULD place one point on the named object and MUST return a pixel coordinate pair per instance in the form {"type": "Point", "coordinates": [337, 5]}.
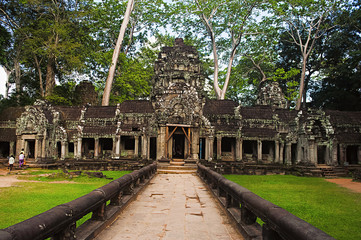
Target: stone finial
{"type": "Point", "coordinates": [271, 94]}
{"type": "Point", "coordinates": [179, 42]}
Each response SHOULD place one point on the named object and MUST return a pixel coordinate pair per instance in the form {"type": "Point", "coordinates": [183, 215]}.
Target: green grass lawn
{"type": "Point", "coordinates": [329, 207]}
{"type": "Point", "coordinates": [27, 199]}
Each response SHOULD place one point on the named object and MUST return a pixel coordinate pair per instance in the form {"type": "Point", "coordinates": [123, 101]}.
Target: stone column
{"type": "Point", "coordinates": [328, 159]}
{"type": "Point", "coordinates": [63, 152]}
{"type": "Point", "coordinates": [288, 157]}
{"type": "Point", "coordinates": [36, 148]}
{"type": "Point", "coordinates": [148, 148]}
{"type": "Point", "coordinates": [259, 150]}
{"type": "Point", "coordinates": [161, 143]}
{"type": "Point", "coordinates": [117, 147]}
{"type": "Point", "coordinates": [96, 148]}
{"type": "Point", "coordinates": [43, 148]}
{"type": "Point", "coordinates": [19, 145]}
{"type": "Point", "coordinates": [311, 152]}
{"type": "Point", "coordinates": [359, 154]}
{"type": "Point", "coordinates": [342, 154]}
{"type": "Point", "coordinates": [219, 147]}
{"type": "Point", "coordinates": [79, 153]}
{"type": "Point", "coordinates": [144, 145]}
{"type": "Point", "coordinates": [136, 146]}
{"type": "Point", "coordinates": [195, 142]}
{"type": "Point", "coordinates": [239, 149]}
{"type": "Point", "coordinates": [334, 153]}
{"type": "Point", "coordinates": [210, 144]}
{"type": "Point", "coordinates": [12, 148]}
{"type": "Point", "coordinates": [282, 147]}
{"type": "Point", "coordinates": [277, 152]}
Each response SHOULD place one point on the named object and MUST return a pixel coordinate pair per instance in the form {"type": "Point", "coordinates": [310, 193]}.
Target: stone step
{"type": "Point", "coordinates": [177, 163]}
{"type": "Point", "coordinates": [177, 171]}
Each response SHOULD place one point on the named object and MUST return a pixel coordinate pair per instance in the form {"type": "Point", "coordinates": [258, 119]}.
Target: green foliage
{"type": "Point", "coordinates": [63, 95]}
{"type": "Point", "coordinates": [132, 81]}
{"type": "Point", "coordinates": [325, 205]}
{"type": "Point", "coordinates": [339, 86]}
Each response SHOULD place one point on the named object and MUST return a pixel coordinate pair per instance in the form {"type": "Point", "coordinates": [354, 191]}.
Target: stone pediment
{"type": "Point", "coordinates": [33, 121]}
{"type": "Point", "coordinates": [179, 104]}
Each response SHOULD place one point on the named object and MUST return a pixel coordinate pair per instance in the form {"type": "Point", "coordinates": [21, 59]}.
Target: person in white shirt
{"type": "Point", "coordinates": [11, 162]}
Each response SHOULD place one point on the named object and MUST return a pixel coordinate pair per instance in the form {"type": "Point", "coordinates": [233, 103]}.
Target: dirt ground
{"type": "Point", "coordinates": [347, 183]}
{"type": "Point", "coordinates": [7, 180]}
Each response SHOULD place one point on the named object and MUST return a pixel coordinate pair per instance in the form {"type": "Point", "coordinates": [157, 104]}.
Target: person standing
{"type": "Point", "coordinates": [21, 158]}
{"type": "Point", "coordinates": [11, 162]}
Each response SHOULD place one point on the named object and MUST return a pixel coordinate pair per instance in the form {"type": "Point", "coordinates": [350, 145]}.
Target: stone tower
{"type": "Point", "coordinates": [178, 85]}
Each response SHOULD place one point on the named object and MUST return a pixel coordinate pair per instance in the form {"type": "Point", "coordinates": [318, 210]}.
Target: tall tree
{"type": "Point", "coordinates": [226, 23]}
{"type": "Point", "coordinates": [307, 18]}
{"type": "Point", "coordinates": [340, 86]}
{"type": "Point", "coordinates": [109, 81]}
{"type": "Point", "coordinates": [49, 36]}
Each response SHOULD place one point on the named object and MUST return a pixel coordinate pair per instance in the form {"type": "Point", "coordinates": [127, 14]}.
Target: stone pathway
{"type": "Point", "coordinates": [173, 206]}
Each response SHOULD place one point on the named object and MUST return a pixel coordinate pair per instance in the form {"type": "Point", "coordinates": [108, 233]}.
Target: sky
{"type": "Point", "coordinates": [2, 81]}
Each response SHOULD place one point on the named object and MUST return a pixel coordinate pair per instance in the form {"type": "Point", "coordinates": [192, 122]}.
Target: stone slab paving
{"type": "Point", "coordinates": [173, 206]}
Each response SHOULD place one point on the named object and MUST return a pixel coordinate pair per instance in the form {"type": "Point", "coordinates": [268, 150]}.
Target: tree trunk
{"type": "Point", "coordinates": [50, 76]}
{"type": "Point", "coordinates": [40, 76]}
{"type": "Point", "coordinates": [109, 81]}
{"type": "Point", "coordinates": [17, 75]}
{"type": "Point", "coordinates": [228, 76]}
{"type": "Point", "coordinates": [8, 73]}
{"type": "Point", "coordinates": [302, 83]}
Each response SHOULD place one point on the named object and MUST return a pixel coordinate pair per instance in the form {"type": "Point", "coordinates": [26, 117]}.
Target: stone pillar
{"type": "Point", "coordinates": [206, 148]}
{"type": "Point", "coordinates": [239, 152]}
{"type": "Point", "coordinates": [63, 151]}
{"type": "Point", "coordinates": [334, 154]}
{"type": "Point", "coordinates": [259, 150]}
{"type": "Point", "coordinates": [12, 149]}
{"type": "Point", "coordinates": [19, 145]}
{"type": "Point", "coordinates": [36, 148]}
{"type": "Point", "coordinates": [161, 154]}
{"type": "Point", "coordinates": [288, 157]}
{"type": "Point", "coordinates": [144, 145]}
{"type": "Point", "coordinates": [311, 152]}
{"type": "Point", "coordinates": [136, 146]}
{"type": "Point", "coordinates": [359, 154]}
{"type": "Point", "coordinates": [210, 144]}
{"type": "Point", "coordinates": [343, 156]}
{"type": "Point", "coordinates": [277, 152]}
{"type": "Point", "coordinates": [117, 146]}
{"type": "Point", "coordinates": [327, 156]}
{"type": "Point", "coordinates": [219, 147]}
{"type": "Point", "coordinates": [79, 153]}
{"type": "Point", "coordinates": [148, 148]}
{"type": "Point", "coordinates": [195, 144]}
{"type": "Point", "coordinates": [282, 147]}
{"type": "Point", "coordinates": [43, 148]}
{"type": "Point", "coordinates": [96, 148]}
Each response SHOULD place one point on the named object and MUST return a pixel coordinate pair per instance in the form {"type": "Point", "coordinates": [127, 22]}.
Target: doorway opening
{"type": "Point", "coordinates": [178, 146]}
{"type": "Point", "coordinates": [30, 148]}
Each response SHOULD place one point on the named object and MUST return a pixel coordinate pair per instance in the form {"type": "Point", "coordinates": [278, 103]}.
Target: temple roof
{"type": "Point", "coordinates": [11, 113]}
{"type": "Point", "coordinates": [257, 112]}
{"type": "Point", "coordinates": [136, 106]}
{"type": "Point", "coordinates": [219, 107]}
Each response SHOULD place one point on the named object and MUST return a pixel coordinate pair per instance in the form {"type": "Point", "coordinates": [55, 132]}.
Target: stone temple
{"type": "Point", "coordinates": [179, 123]}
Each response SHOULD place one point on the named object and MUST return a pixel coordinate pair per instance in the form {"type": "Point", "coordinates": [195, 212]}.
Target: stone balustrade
{"type": "Point", "coordinates": [245, 207]}
{"type": "Point", "coordinates": [104, 204]}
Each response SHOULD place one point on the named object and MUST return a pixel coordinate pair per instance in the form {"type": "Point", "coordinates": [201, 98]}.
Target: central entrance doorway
{"type": "Point", "coordinates": [178, 146]}
{"type": "Point", "coordinates": [178, 141]}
